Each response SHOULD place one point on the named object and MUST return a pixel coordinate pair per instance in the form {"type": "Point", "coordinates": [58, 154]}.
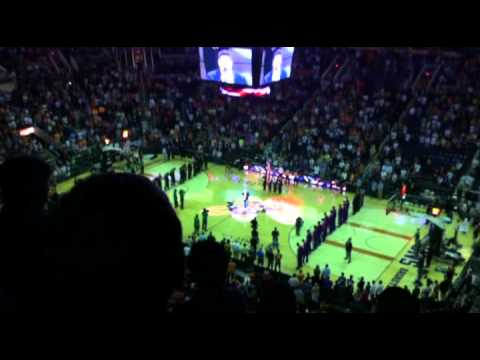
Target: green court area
{"type": "Point", "coordinates": [394, 223]}
{"type": "Point", "coordinates": [379, 240]}
{"type": "Point", "coordinates": [375, 244]}
{"type": "Point", "coordinates": [369, 241]}
{"type": "Point", "coordinates": [371, 268]}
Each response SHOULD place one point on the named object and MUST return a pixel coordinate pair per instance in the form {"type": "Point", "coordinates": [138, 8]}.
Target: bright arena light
{"type": "Point", "coordinates": [27, 131]}
{"type": "Point", "coordinates": [282, 212]}
{"type": "Point", "coordinates": [230, 91]}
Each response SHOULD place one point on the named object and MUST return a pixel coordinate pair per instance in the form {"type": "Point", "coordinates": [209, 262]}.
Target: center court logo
{"type": "Point", "coordinates": [281, 210]}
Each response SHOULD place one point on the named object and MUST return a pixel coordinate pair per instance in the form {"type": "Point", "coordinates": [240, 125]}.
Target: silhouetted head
{"type": "Point", "coordinates": [395, 299]}
{"type": "Point", "coordinates": [276, 297]}
{"type": "Point", "coordinates": [108, 250]}
{"type": "Point", "coordinates": [208, 262]}
{"type": "Point", "coordinates": [24, 183]}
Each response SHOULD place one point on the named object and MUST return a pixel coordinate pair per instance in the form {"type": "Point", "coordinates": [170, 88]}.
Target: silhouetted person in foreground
{"type": "Point", "coordinates": [24, 184]}
{"type": "Point", "coordinates": [395, 299]}
{"type": "Point", "coordinates": [208, 262]}
{"type": "Point", "coordinates": [276, 297]}
{"type": "Point", "coordinates": [106, 257]}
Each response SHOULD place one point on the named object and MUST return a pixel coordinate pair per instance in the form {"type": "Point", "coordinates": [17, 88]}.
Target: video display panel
{"type": "Point", "coordinates": [276, 64]}
{"type": "Point", "coordinates": [226, 65]}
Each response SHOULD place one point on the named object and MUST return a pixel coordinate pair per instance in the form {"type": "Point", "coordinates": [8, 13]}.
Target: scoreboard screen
{"type": "Point", "coordinates": [276, 64]}
{"type": "Point", "coordinates": [227, 65]}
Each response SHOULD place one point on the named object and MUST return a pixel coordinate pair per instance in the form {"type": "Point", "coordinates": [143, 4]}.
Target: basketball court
{"type": "Point", "coordinates": [379, 240]}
